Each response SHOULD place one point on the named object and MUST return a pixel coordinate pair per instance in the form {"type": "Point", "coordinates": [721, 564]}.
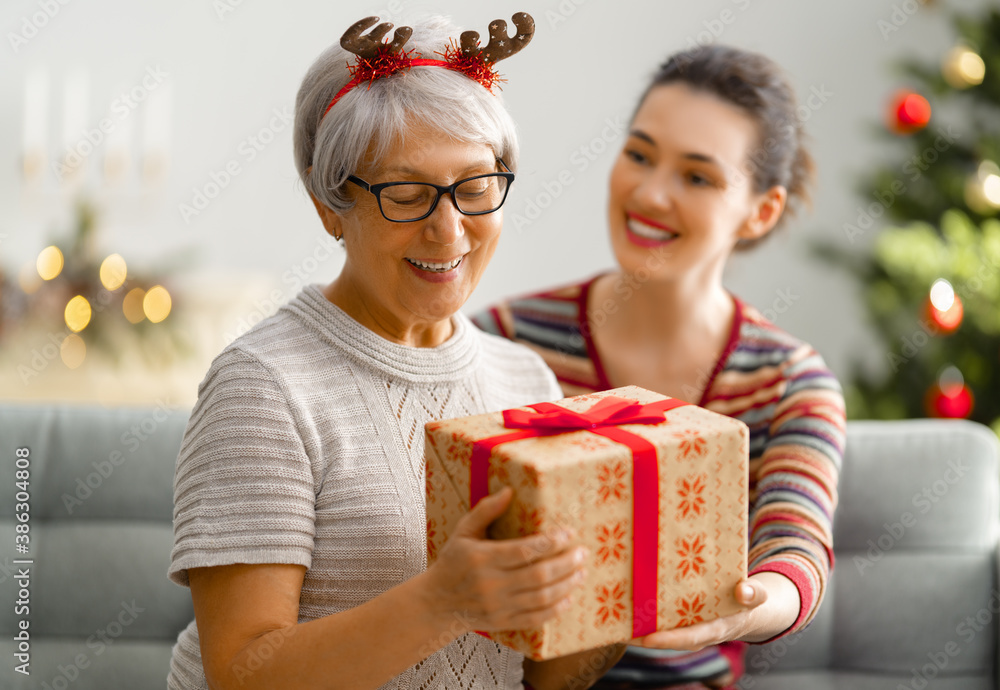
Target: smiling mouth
{"type": "Point", "coordinates": [436, 267]}
{"type": "Point", "coordinates": [649, 232]}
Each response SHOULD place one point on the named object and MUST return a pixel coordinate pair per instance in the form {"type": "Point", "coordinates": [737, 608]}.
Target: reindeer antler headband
{"type": "Point", "coordinates": [377, 60]}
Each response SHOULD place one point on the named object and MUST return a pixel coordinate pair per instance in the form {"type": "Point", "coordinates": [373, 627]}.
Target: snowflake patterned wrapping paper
{"type": "Point", "coordinates": [584, 480]}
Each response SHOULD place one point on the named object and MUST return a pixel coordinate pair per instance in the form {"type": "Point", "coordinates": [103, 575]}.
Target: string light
{"type": "Point", "coordinates": [73, 351]}
{"type": "Point", "coordinates": [962, 68]}
{"type": "Point", "coordinates": [113, 272]}
{"type": "Point", "coordinates": [49, 263]}
{"type": "Point", "coordinates": [982, 189]}
{"type": "Point", "coordinates": [28, 279]}
{"type": "Point", "coordinates": [77, 313]}
{"type": "Point", "coordinates": [942, 295]}
{"type": "Point", "coordinates": [156, 304]}
{"type": "Point", "coordinates": [132, 305]}
{"type": "Point", "coordinates": [944, 307]}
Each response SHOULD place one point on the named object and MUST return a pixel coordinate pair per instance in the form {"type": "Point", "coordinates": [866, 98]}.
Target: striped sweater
{"type": "Point", "coordinates": [779, 386]}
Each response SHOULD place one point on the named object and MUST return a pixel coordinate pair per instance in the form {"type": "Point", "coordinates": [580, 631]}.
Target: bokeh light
{"type": "Point", "coordinates": [113, 272]}
{"type": "Point", "coordinates": [942, 294]}
{"type": "Point", "coordinates": [156, 304]}
{"type": "Point", "coordinates": [77, 313]}
{"type": "Point", "coordinates": [132, 305]}
{"type": "Point", "coordinates": [963, 68]}
{"type": "Point", "coordinates": [73, 350]}
{"type": "Point", "coordinates": [49, 262]}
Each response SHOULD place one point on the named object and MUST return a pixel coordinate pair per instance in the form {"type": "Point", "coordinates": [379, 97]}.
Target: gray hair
{"type": "Point", "coordinates": [377, 117]}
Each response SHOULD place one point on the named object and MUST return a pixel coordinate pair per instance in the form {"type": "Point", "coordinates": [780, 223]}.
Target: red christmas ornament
{"type": "Point", "coordinates": [908, 112]}
{"type": "Point", "coordinates": [953, 402]}
{"type": "Point", "coordinates": [946, 320]}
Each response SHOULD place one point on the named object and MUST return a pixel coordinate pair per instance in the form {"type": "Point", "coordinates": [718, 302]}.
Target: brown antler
{"type": "Point", "coordinates": [501, 45]}
{"type": "Point", "coordinates": [368, 46]}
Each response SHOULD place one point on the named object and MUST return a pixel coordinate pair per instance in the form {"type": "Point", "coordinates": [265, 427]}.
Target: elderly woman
{"type": "Point", "coordinates": [299, 495]}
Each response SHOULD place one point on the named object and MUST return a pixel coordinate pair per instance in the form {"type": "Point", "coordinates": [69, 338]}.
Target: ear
{"type": "Point", "coordinates": [331, 220]}
{"type": "Point", "coordinates": [764, 214]}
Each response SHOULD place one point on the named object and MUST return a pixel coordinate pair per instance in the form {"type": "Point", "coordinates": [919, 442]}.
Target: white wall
{"type": "Point", "coordinates": [229, 73]}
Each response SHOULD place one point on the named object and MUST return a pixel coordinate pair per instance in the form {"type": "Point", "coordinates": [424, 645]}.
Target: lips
{"type": "Point", "coordinates": [436, 267]}
{"type": "Point", "coordinates": [437, 271]}
{"type": "Point", "coordinates": [646, 232]}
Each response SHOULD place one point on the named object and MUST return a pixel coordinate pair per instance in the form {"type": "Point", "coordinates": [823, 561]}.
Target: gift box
{"type": "Point", "coordinates": [655, 488]}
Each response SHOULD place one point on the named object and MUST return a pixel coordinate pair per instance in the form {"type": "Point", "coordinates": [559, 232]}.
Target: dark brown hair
{"type": "Point", "coordinates": [755, 84]}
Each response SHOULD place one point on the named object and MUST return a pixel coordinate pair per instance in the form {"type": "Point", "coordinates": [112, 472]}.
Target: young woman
{"type": "Point", "coordinates": [713, 158]}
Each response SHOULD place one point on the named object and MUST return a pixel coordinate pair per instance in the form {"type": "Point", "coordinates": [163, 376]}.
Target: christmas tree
{"type": "Point", "coordinates": [930, 229]}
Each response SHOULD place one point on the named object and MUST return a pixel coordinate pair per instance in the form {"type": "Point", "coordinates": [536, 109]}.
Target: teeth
{"type": "Point", "coordinates": [649, 232]}
{"type": "Point", "coordinates": [436, 268]}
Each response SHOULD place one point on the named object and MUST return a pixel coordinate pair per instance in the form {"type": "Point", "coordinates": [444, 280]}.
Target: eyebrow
{"type": "Point", "coordinates": [701, 157]}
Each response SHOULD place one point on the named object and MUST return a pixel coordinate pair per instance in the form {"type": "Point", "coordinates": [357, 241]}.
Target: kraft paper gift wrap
{"type": "Point", "coordinates": [662, 506]}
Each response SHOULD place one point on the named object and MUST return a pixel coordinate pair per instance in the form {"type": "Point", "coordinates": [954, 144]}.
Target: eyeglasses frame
{"type": "Point", "coordinates": [376, 191]}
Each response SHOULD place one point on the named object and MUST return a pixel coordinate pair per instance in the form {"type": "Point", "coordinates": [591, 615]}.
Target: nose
{"type": "Point", "coordinates": [446, 224]}
{"type": "Point", "coordinates": [656, 191]}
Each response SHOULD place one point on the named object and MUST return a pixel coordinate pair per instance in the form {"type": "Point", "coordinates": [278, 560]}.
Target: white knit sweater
{"type": "Point", "coordinates": [306, 447]}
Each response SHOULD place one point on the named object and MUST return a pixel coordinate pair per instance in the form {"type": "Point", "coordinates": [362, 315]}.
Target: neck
{"type": "Point", "coordinates": [670, 310]}
{"type": "Point", "coordinates": [367, 312]}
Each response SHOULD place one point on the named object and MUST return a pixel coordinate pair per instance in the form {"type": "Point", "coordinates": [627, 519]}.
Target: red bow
{"type": "Point", "coordinates": [609, 411]}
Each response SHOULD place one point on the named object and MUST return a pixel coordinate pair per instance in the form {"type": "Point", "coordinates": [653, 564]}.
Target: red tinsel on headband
{"type": "Point", "coordinates": [387, 62]}
{"type": "Point", "coordinates": [472, 66]}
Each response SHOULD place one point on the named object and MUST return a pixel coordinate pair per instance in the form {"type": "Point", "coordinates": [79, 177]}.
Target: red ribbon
{"type": "Point", "coordinates": [604, 418]}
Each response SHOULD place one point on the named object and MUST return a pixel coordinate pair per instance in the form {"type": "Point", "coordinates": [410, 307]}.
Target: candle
{"type": "Point", "coordinates": [156, 131]}
{"type": "Point", "coordinates": [36, 110]}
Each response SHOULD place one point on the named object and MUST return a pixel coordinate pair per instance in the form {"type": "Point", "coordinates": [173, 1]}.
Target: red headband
{"type": "Point", "coordinates": [377, 60]}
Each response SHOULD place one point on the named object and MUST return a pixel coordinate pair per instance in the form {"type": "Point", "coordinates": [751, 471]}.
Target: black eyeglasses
{"type": "Point", "coordinates": [405, 202]}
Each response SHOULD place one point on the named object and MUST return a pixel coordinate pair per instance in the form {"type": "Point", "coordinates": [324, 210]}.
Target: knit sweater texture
{"type": "Point", "coordinates": [306, 447]}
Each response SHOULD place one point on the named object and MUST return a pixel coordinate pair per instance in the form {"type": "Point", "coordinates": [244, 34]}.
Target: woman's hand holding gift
{"type": "Point", "coordinates": [511, 584]}
{"type": "Point", "coordinates": [773, 605]}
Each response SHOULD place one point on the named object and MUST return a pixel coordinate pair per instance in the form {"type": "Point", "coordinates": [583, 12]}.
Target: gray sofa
{"type": "Point", "coordinates": [913, 603]}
